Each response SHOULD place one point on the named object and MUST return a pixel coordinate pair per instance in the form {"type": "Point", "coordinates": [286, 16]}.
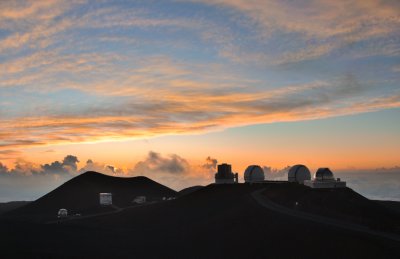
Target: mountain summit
{"type": "Point", "coordinates": [81, 194]}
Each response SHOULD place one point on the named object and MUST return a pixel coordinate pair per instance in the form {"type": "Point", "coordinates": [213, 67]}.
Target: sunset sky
{"type": "Point", "coordinates": [166, 88]}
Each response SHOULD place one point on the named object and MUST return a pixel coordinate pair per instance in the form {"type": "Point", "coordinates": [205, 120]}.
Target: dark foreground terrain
{"type": "Point", "coordinates": [216, 221]}
{"type": "Point", "coordinates": [12, 205]}
{"type": "Point", "coordinates": [80, 195]}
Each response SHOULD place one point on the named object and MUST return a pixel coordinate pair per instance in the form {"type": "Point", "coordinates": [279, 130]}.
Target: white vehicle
{"type": "Point", "coordinates": [62, 213]}
{"type": "Point", "coordinates": [139, 199]}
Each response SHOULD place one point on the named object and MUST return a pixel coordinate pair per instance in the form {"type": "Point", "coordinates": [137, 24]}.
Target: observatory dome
{"type": "Point", "coordinates": [324, 174]}
{"type": "Point", "coordinates": [253, 173]}
{"type": "Point", "coordinates": [299, 173]}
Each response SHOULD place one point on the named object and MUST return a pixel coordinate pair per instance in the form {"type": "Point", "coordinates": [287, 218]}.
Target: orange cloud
{"type": "Point", "coordinates": [143, 96]}
{"type": "Point", "coordinates": [188, 114]}
{"type": "Point", "coordinates": [30, 9]}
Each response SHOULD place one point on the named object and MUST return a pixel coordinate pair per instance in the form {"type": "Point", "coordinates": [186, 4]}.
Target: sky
{"type": "Point", "coordinates": [168, 89]}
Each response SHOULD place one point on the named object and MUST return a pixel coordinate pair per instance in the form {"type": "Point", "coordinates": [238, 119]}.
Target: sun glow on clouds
{"type": "Point", "coordinates": [84, 72]}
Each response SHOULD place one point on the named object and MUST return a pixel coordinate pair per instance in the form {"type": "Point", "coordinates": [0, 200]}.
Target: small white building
{"type": "Point", "coordinates": [139, 200]}
{"type": "Point", "coordinates": [299, 174]}
{"type": "Point", "coordinates": [324, 178]}
{"type": "Point", "coordinates": [105, 198]}
{"type": "Point", "coordinates": [62, 213]}
{"type": "Point", "coordinates": [254, 174]}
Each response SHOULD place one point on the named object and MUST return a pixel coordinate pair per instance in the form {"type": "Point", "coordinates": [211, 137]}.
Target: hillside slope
{"type": "Point", "coordinates": [189, 190]}
{"type": "Point", "coordinates": [81, 195]}
{"type": "Point", "coordinates": [12, 205]}
{"type": "Point", "coordinates": [217, 221]}
{"type": "Point", "coordinates": [342, 203]}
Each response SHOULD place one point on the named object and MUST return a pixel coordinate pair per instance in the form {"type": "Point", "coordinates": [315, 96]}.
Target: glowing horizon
{"type": "Point", "coordinates": [265, 82]}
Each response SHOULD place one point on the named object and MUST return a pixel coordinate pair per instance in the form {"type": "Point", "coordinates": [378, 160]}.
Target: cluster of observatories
{"type": "Point", "coordinates": [323, 178]}
{"type": "Point", "coordinates": [254, 174]}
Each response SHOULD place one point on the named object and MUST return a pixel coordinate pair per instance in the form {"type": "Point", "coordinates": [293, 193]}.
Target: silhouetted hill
{"type": "Point", "coordinates": [340, 203]}
{"type": "Point", "coordinates": [81, 194]}
{"type": "Point", "coordinates": [217, 221]}
{"type": "Point", "coordinates": [12, 205]}
{"type": "Point", "coordinates": [189, 190]}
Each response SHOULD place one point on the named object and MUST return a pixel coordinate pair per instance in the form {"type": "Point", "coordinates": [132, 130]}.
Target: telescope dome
{"type": "Point", "coordinates": [254, 173]}
{"type": "Point", "coordinates": [299, 173]}
{"type": "Point", "coordinates": [324, 174]}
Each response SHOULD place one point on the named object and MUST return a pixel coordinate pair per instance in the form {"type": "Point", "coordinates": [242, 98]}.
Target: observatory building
{"type": "Point", "coordinates": [62, 213]}
{"type": "Point", "coordinates": [225, 175]}
{"type": "Point", "coordinates": [299, 174]}
{"type": "Point", "coordinates": [324, 178]}
{"type": "Point", "coordinates": [105, 198]}
{"type": "Point", "coordinates": [253, 174]}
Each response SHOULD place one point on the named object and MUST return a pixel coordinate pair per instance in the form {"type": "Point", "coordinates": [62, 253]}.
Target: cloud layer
{"type": "Point", "coordinates": [78, 71]}
{"type": "Point", "coordinates": [32, 180]}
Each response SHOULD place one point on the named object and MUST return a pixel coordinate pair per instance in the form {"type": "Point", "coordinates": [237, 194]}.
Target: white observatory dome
{"type": "Point", "coordinates": [299, 173]}
{"type": "Point", "coordinates": [253, 173]}
{"type": "Point", "coordinates": [324, 174]}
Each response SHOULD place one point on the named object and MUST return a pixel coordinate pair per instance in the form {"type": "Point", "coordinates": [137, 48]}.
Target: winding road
{"type": "Point", "coordinates": [266, 203]}
{"type": "Point", "coordinates": [263, 201]}
{"type": "Point", "coordinates": [116, 210]}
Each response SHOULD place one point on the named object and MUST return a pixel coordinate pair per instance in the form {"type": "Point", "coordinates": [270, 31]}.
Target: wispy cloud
{"type": "Point", "coordinates": [182, 112]}
{"type": "Point", "coordinates": [396, 68]}
{"type": "Point", "coordinates": [317, 28]}
{"type": "Point", "coordinates": [9, 154]}
{"type": "Point", "coordinates": [77, 72]}
{"type": "Point", "coordinates": [33, 10]}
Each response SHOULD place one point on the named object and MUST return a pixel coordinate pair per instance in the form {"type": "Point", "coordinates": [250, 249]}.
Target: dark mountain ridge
{"type": "Point", "coordinates": [341, 203]}
{"type": "Point", "coordinates": [215, 221]}
{"type": "Point", "coordinates": [81, 195]}
{"type": "Point", "coordinates": [189, 190]}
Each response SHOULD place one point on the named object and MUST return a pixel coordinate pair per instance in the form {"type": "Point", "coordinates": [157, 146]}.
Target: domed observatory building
{"type": "Point", "coordinates": [254, 174]}
{"type": "Point", "coordinates": [225, 175]}
{"type": "Point", "coordinates": [324, 178]}
{"type": "Point", "coordinates": [299, 174]}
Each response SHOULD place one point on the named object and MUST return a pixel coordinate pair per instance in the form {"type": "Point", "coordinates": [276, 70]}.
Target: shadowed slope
{"type": "Point", "coordinates": [190, 190]}
{"type": "Point", "coordinates": [216, 221]}
{"type": "Point", "coordinates": [220, 221]}
{"type": "Point", "coordinates": [81, 194]}
{"type": "Point", "coordinates": [12, 205]}
{"type": "Point", "coordinates": [341, 203]}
